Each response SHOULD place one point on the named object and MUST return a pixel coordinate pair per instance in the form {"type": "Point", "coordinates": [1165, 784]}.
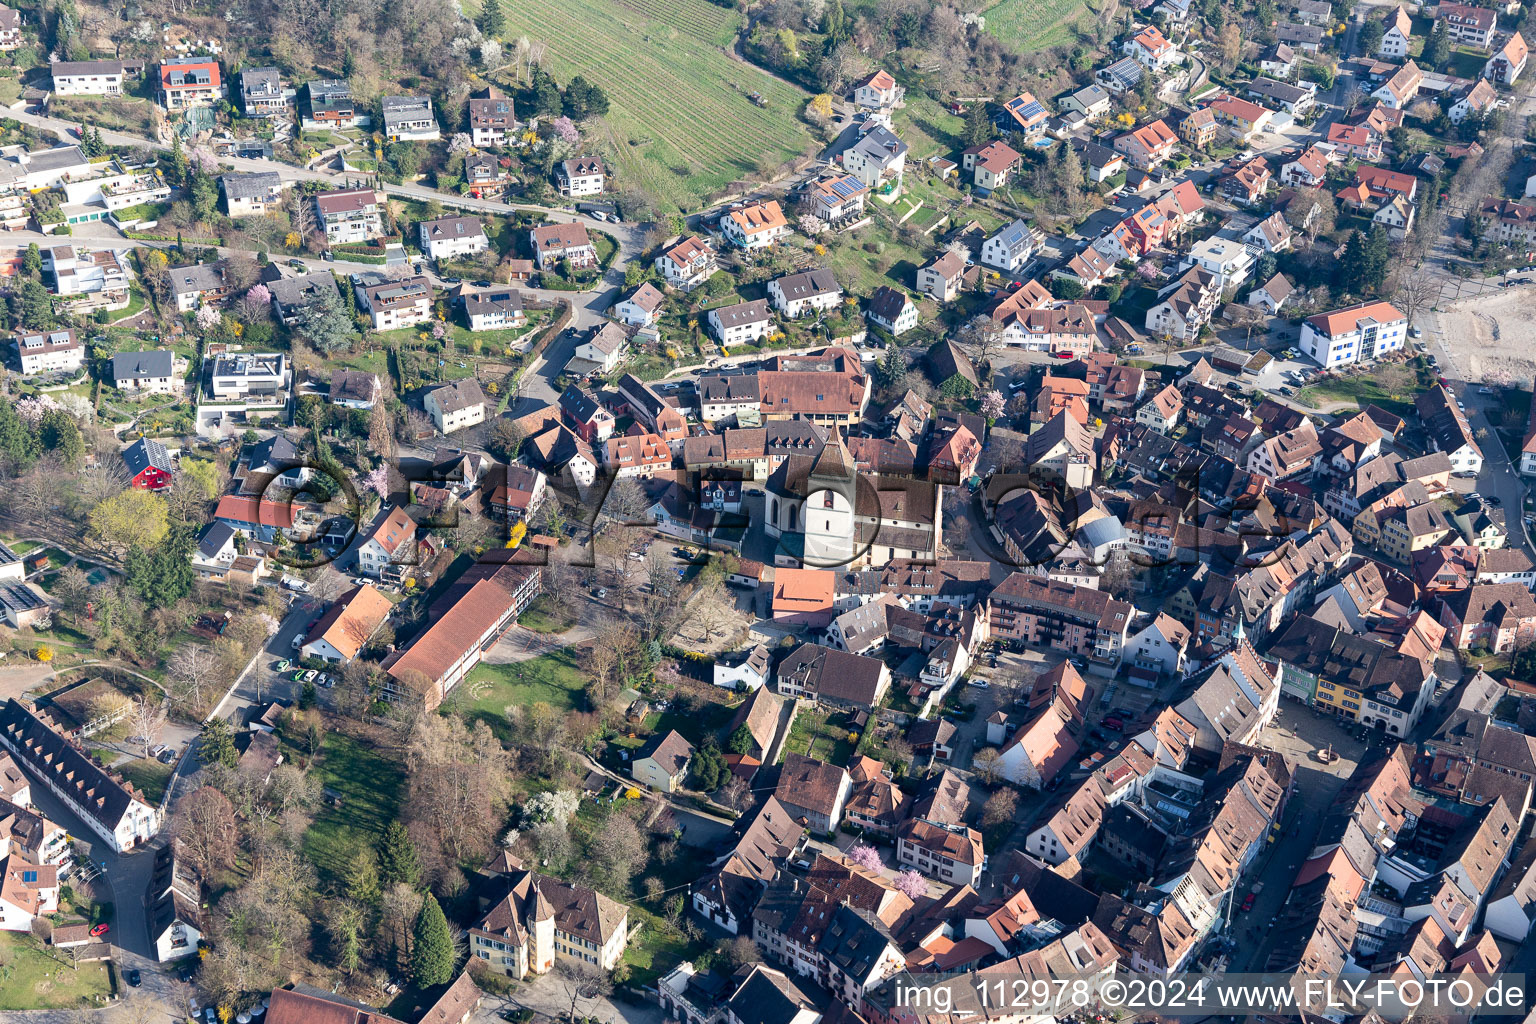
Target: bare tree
{"type": "Point", "coordinates": [148, 719]}
{"type": "Point", "coordinates": [986, 763]}
{"type": "Point", "coordinates": [581, 981]}
{"type": "Point", "coordinates": [1417, 290]}
{"type": "Point", "coordinates": [194, 669]}
{"type": "Point", "coordinates": [207, 830]}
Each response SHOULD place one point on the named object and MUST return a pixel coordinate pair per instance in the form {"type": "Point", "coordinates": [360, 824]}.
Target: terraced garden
{"type": "Point", "coordinates": [679, 124]}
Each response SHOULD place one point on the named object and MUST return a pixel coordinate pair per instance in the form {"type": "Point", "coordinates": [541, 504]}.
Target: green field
{"type": "Point", "coordinates": [31, 979]}
{"type": "Point", "coordinates": [1029, 25]}
{"type": "Point", "coordinates": [679, 124]}
{"type": "Point", "coordinates": [369, 789]}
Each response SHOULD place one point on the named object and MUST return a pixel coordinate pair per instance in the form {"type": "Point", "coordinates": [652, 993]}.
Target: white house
{"type": "Point", "coordinates": [892, 309]}
{"type": "Point", "coordinates": [1511, 906]}
{"type": "Point", "coordinates": [687, 264]}
{"type": "Point", "coordinates": [796, 295]}
{"type": "Point", "coordinates": [740, 323]}
{"type": "Point", "coordinates": [1398, 34]}
{"type": "Point", "coordinates": [747, 670]}
{"type": "Point", "coordinates": [1353, 334]}
{"type": "Point", "coordinates": [641, 307]}
{"type": "Point", "coordinates": [1159, 649]}
{"type": "Point", "coordinates": [1010, 249]}
{"type": "Point", "coordinates": [448, 237]}
{"type": "Point", "coordinates": [456, 406]}
{"type": "Point", "coordinates": [117, 814]}
{"type": "Point", "coordinates": [388, 547]}
{"type": "Point", "coordinates": [604, 348]}
{"type": "Point", "coordinates": [583, 176]}
{"type": "Point", "coordinates": [49, 351]}
{"type": "Point", "coordinates": [87, 78]}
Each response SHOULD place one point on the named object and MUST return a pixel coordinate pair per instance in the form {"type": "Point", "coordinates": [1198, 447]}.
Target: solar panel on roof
{"type": "Point", "coordinates": [846, 187]}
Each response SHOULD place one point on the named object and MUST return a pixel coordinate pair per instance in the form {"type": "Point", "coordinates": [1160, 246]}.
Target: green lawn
{"type": "Point", "coordinates": [370, 786]}
{"type": "Point", "coordinates": [30, 979]}
{"type": "Point", "coordinates": [543, 617]}
{"type": "Point", "coordinates": [554, 679]}
{"type": "Point", "coordinates": [135, 304]}
{"type": "Point", "coordinates": [1368, 389]}
{"type": "Point", "coordinates": [679, 125]}
{"type": "Point", "coordinates": [149, 776]}
{"type": "Point", "coordinates": [1029, 25]}
{"type": "Point", "coordinates": [821, 735]}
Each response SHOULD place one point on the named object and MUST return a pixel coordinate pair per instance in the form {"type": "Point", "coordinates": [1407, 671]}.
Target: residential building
{"type": "Point", "coordinates": [809, 291]}
{"type": "Point", "coordinates": [1243, 118]}
{"type": "Point", "coordinates": [1507, 64]}
{"type": "Point", "coordinates": [1122, 76]}
{"type": "Point", "coordinates": [1398, 35]}
{"type": "Point", "coordinates": [261, 93]}
{"type": "Point", "coordinates": [450, 237]}
{"type": "Point", "coordinates": [570, 242]}
{"type": "Point", "coordinates": [1499, 616]}
{"type": "Point", "coordinates": [1508, 222]}
{"type": "Point", "coordinates": [941, 279]}
{"type": "Point", "coordinates": [292, 295]}
{"type": "Point", "coordinates": [1366, 331]}
{"type": "Point", "coordinates": [1023, 114]}
{"type": "Point", "coordinates": [1478, 100]}
{"type": "Point", "coordinates": [1186, 305]}
{"type": "Point", "coordinates": [409, 119]}
{"type": "Point", "coordinates": [832, 677]}
{"type": "Point", "coordinates": [641, 307]}
{"type": "Point", "coordinates": [49, 351]}
{"type": "Point", "coordinates": [1199, 128]}
{"type": "Point", "coordinates": [740, 323]}
{"type": "Point", "coordinates": [1010, 249]}
{"type": "Point", "coordinates": [541, 921]}
{"type": "Point", "coordinates": [1449, 430]}
{"type": "Point", "coordinates": [1294, 99]}
{"type": "Point", "coordinates": [251, 195]}
{"type": "Point", "coordinates": [87, 78]}
{"type": "Point", "coordinates": [391, 304]}
{"type": "Point", "coordinates": [755, 225]}
{"type": "Point", "coordinates": [687, 264]}
{"type": "Point", "coordinates": [1152, 49]}
{"type": "Point", "coordinates": [149, 465]}
{"type": "Point", "coordinates": [878, 160]}
{"type": "Point", "coordinates": [354, 389]}
{"type": "Point", "coordinates": [1271, 296]}
{"type": "Point", "coordinates": [663, 762]}
{"type": "Point", "coordinates": [189, 82]}
{"type": "Point", "coordinates": [191, 285]}
{"type": "Point", "coordinates": [1161, 412]}
{"type": "Point", "coordinates": [1043, 612]}
{"type": "Point", "coordinates": [111, 809]}
{"type": "Point", "coordinates": [814, 792]}
{"type": "Point", "coordinates": [1309, 169]}
{"type": "Point", "coordinates": [1147, 146]}
{"type": "Point", "coordinates": [1272, 234]}
{"type": "Point", "coordinates": [892, 309]}
{"type": "Point", "coordinates": [1403, 87]}
{"type": "Point", "coordinates": [1091, 101]}
{"type": "Point", "coordinates": [347, 625]}
{"type": "Point", "coordinates": [491, 119]}
{"type": "Point", "coordinates": [349, 216]}
{"type": "Point", "coordinates": [456, 406]}
{"type": "Point", "coordinates": [1471, 26]}
{"type": "Point", "coordinates": [331, 104]}
{"type": "Point", "coordinates": [581, 176]}
{"type": "Point", "coordinates": [151, 372]}
{"type": "Point", "coordinates": [991, 164]}
{"type": "Point", "coordinates": [878, 91]}
{"type": "Point", "coordinates": [389, 548]}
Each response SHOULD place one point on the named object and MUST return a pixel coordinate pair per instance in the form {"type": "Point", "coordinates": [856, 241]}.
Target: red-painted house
{"type": "Point", "coordinates": [149, 464]}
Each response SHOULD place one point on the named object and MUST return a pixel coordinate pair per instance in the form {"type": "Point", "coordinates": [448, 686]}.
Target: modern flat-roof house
{"type": "Point", "coordinates": [392, 304]}
{"type": "Point", "coordinates": [448, 237]}
{"type": "Point", "coordinates": [190, 82]}
{"type": "Point", "coordinates": [113, 810]}
{"type": "Point", "coordinates": [261, 92]}
{"type": "Point", "coordinates": [152, 371]}
{"type": "Point", "coordinates": [456, 406]}
{"type": "Point", "coordinates": [331, 104]}
{"type": "Point", "coordinates": [1354, 334]}
{"type": "Point", "coordinates": [249, 376]}
{"type": "Point", "coordinates": [87, 78]}
{"type": "Point", "coordinates": [348, 216]}
{"type": "Point", "coordinates": [409, 119]}
{"type": "Point", "coordinates": [250, 195]}
{"type": "Point", "coordinates": [49, 351]}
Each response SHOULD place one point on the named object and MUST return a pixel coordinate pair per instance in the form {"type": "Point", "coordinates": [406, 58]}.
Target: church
{"type": "Point", "coordinates": [825, 514]}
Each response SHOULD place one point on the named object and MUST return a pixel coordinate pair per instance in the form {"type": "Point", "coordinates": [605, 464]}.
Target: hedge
{"type": "Point", "coordinates": [146, 236]}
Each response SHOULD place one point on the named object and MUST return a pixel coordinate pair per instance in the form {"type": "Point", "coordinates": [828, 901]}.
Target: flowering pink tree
{"type": "Point", "coordinates": [32, 410]}
{"type": "Point", "coordinates": [992, 405]}
{"type": "Point", "coordinates": [565, 130]}
{"type": "Point", "coordinates": [269, 623]}
{"type": "Point", "coordinates": [208, 318]}
{"type": "Point", "coordinates": [259, 295]}
{"type": "Point", "coordinates": [911, 884]}
{"type": "Point", "coordinates": [862, 855]}
{"type": "Point", "coordinates": [378, 481]}
{"type": "Point", "coordinates": [438, 330]}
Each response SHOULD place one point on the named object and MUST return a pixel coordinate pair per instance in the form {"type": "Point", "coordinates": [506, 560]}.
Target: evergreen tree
{"type": "Point", "coordinates": [362, 876]}
{"type": "Point", "coordinates": [978, 129]}
{"type": "Point", "coordinates": [32, 262]}
{"type": "Point", "coordinates": [834, 25]}
{"type": "Point", "coordinates": [546, 94]}
{"type": "Point", "coordinates": [218, 744]}
{"type": "Point", "coordinates": [1353, 265]}
{"type": "Point", "coordinates": [741, 741]}
{"type": "Point", "coordinates": [492, 21]}
{"type": "Point", "coordinates": [348, 64]}
{"type": "Point", "coordinates": [432, 958]}
{"type": "Point", "coordinates": [17, 443]}
{"type": "Point", "coordinates": [397, 857]}
{"type": "Point", "coordinates": [178, 173]}
{"type": "Point", "coordinates": [1378, 258]}
{"type": "Point", "coordinates": [32, 306]}
{"type": "Point", "coordinates": [59, 433]}
{"type": "Point", "coordinates": [1437, 50]}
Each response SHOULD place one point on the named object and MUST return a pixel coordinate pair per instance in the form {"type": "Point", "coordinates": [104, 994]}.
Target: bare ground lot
{"type": "Point", "coordinates": [1494, 335]}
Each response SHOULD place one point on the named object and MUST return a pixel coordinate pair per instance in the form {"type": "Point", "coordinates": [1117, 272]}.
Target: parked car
{"type": "Point", "coordinates": [1113, 724]}
{"type": "Point", "coordinates": [100, 930]}
{"type": "Point", "coordinates": [132, 976]}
